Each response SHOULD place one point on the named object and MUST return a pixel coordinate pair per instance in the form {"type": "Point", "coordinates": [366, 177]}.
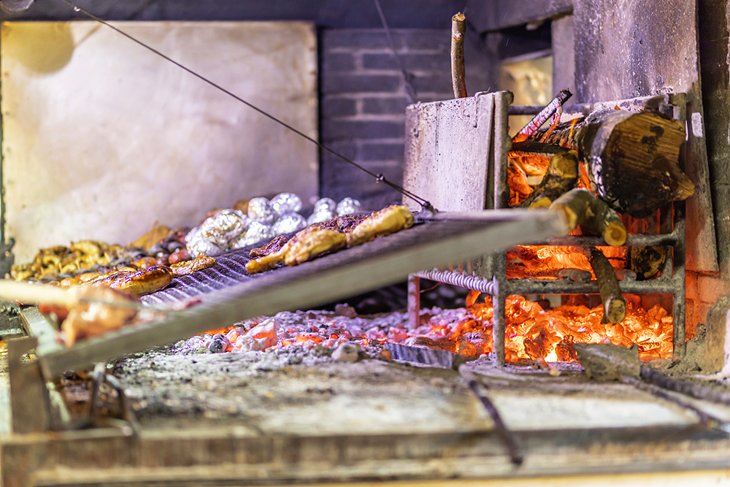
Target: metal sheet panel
{"type": "Point", "coordinates": [101, 138]}
{"type": "Point", "coordinates": [449, 151]}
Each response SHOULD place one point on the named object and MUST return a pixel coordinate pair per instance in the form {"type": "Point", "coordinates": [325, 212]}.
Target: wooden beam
{"type": "Point", "coordinates": [423, 14]}
{"type": "Point", "coordinates": [501, 14]}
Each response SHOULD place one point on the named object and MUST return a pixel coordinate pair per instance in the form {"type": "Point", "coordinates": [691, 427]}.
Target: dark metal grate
{"type": "Point", "coordinates": [228, 270]}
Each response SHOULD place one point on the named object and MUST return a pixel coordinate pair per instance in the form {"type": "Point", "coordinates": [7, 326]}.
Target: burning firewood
{"type": "Point", "coordinates": [632, 158]}
{"type": "Point", "coordinates": [614, 305]}
{"type": "Point", "coordinates": [561, 176]}
{"type": "Point", "coordinates": [458, 71]}
{"type": "Point", "coordinates": [593, 215]}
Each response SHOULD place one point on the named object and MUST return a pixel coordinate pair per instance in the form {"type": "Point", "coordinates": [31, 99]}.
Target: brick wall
{"type": "Point", "coordinates": [363, 100]}
{"type": "Point", "coordinates": [703, 293]}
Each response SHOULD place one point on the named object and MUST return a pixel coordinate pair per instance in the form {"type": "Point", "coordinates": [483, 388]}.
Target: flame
{"type": "Point", "coordinates": [550, 262]}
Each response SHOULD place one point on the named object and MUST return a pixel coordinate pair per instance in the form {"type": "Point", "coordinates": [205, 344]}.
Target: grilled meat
{"type": "Point", "coordinates": [188, 267]}
{"type": "Point", "coordinates": [384, 222]}
{"type": "Point", "coordinates": [344, 224]}
{"type": "Point", "coordinates": [87, 319]}
{"type": "Point", "coordinates": [329, 236]}
{"type": "Point", "coordinates": [274, 245]}
{"type": "Point", "coordinates": [142, 282]}
{"type": "Point", "coordinates": [305, 245]}
{"type": "Point", "coordinates": [310, 243]}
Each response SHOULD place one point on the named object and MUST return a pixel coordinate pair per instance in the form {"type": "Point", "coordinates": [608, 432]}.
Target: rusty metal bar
{"type": "Point", "coordinates": [635, 239]}
{"type": "Point", "coordinates": [29, 401]}
{"type": "Point", "coordinates": [679, 282]}
{"type": "Point", "coordinates": [414, 300]}
{"type": "Point", "coordinates": [532, 286]}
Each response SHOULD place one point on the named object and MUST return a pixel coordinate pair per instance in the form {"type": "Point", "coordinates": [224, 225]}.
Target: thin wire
{"type": "Point", "coordinates": [410, 90]}
{"type": "Point", "coordinates": [380, 178]}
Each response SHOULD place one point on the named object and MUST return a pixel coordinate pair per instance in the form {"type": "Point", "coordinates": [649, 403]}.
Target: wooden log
{"type": "Point", "coordinates": [632, 158]}
{"type": "Point", "coordinates": [581, 208]}
{"type": "Point", "coordinates": [614, 304]}
{"type": "Point", "coordinates": [561, 177]}
{"type": "Point", "coordinates": [458, 70]}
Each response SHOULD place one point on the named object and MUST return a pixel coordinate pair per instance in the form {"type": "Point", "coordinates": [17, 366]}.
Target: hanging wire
{"type": "Point", "coordinates": [410, 89]}
{"type": "Point", "coordinates": [379, 177]}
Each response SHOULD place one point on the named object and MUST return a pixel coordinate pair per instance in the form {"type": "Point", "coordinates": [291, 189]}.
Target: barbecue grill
{"type": "Point", "coordinates": [153, 415]}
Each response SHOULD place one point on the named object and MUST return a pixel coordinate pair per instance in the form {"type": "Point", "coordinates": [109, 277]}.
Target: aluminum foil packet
{"type": "Point", "coordinates": [199, 245]}
{"type": "Point", "coordinates": [284, 203]}
{"type": "Point", "coordinates": [256, 233]}
{"type": "Point", "coordinates": [325, 204]}
{"type": "Point", "coordinates": [224, 227]}
{"type": "Point", "coordinates": [289, 223]}
{"type": "Point", "coordinates": [260, 210]}
{"type": "Point", "coordinates": [348, 206]}
{"type": "Point", "coordinates": [320, 216]}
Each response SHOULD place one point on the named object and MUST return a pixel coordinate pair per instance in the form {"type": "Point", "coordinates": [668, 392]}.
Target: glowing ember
{"type": "Point", "coordinates": [532, 333]}
{"type": "Point", "coordinates": [546, 262]}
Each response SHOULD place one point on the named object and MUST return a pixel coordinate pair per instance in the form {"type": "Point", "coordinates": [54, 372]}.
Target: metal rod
{"type": "Point", "coordinates": [679, 283]}
{"type": "Point", "coordinates": [505, 434]}
{"type": "Point", "coordinates": [545, 114]}
{"type": "Point", "coordinates": [532, 286]}
{"type": "Point", "coordinates": [475, 283]}
{"type": "Point", "coordinates": [706, 391]}
{"type": "Point", "coordinates": [379, 177]}
{"type": "Point", "coordinates": [707, 420]}
{"type": "Point", "coordinates": [414, 300]}
{"type": "Point", "coordinates": [635, 239]}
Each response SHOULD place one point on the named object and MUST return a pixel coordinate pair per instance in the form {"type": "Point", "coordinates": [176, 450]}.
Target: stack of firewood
{"type": "Point", "coordinates": [632, 166]}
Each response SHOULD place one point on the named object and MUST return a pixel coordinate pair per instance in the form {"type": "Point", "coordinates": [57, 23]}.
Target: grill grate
{"type": "Point", "coordinates": [228, 270]}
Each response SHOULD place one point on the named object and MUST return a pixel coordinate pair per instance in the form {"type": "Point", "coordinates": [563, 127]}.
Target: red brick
{"type": "Point", "coordinates": [691, 285]}
{"type": "Point", "coordinates": [710, 289]}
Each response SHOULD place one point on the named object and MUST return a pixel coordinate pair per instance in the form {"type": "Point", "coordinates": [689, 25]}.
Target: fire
{"type": "Point", "coordinates": [550, 262]}
{"type": "Point", "coordinates": [535, 334]}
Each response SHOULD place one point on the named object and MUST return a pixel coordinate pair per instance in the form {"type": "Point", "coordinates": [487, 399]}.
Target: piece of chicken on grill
{"type": "Point", "coordinates": [319, 238]}
{"type": "Point", "coordinates": [91, 318]}
{"type": "Point", "coordinates": [384, 222]}
{"type": "Point", "coordinates": [305, 245]}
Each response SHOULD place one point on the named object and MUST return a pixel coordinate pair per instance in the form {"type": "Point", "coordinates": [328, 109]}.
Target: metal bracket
{"type": "Point", "coordinates": [29, 399]}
